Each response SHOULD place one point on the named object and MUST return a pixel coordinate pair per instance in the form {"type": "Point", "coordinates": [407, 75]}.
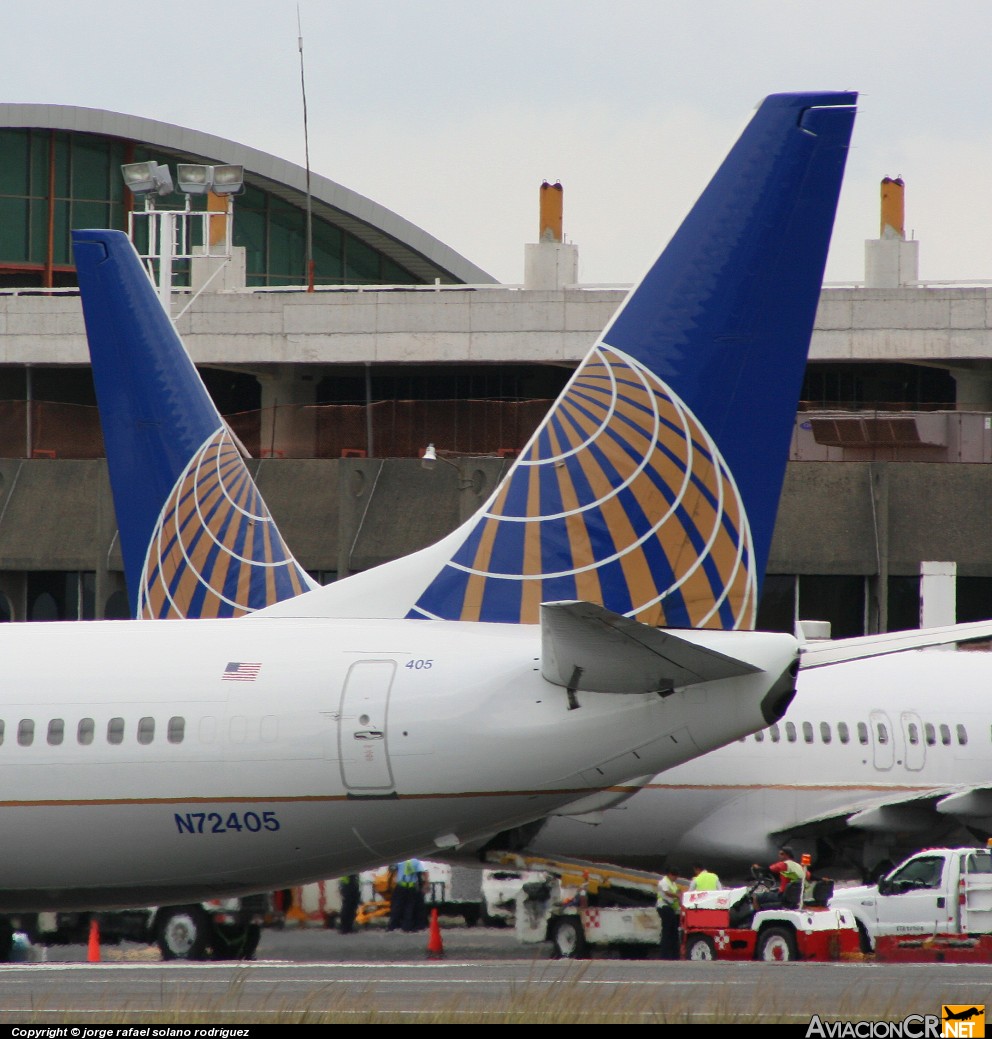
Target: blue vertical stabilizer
{"type": "Point", "coordinates": [653, 484]}
{"type": "Point", "coordinates": [651, 487]}
{"type": "Point", "coordinates": [197, 539]}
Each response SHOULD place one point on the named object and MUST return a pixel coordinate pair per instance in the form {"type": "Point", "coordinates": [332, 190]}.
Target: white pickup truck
{"type": "Point", "coordinates": [939, 891]}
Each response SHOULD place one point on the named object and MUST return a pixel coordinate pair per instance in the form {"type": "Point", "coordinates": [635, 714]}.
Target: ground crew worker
{"type": "Point", "coordinates": [350, 890]}
{"type": "Point", "coordinates": [789, 872]}
{"type": "Point", "coordinates": [703, 879]}
{"type": "Point", "coordinates": [669, 910]}
{"type": "Point", "coordinates": [407, 897]}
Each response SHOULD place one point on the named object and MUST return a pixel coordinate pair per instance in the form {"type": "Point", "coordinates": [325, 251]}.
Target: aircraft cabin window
{"type": "Point", "coordinates": [931, 734]}
{"type": "Point", "coordinates": [790, 732]}
{"type": "Point", "coordinates": [177, 729]}
{"type": "Point", "coordinates": [56, 732]}
{"type": "Point", "coordinates": [945, 735]}
{"type": "Point", "coordinates": [146, 730]}
{"type": "Point", "coordinates": [882, 731]}
{"type": "Point", "coordinates": [25, 732]}
{"type": "Point", "coordinates": [774, 733]}
{"type": "Point", "coordinates": [84, 731]}
{"type": "Point", "coordinates": [825, 732]}
{"type": "Point", "coordinates": [758, 737]}
{"type": "Point", "coordinates": [962, 736]}
{"type": "Point", "coordinates": [808, 732]}
{"type": "Point", "coordinates": [863, 734]}
{"type": "Point", "coordinates": [1, 731]}
{"type": "Point", "coordinates": [913, 733]}
{"type": "Point", "coordinates": [843, 732]}
{"type": "Point", "coordinates": [115, 730]}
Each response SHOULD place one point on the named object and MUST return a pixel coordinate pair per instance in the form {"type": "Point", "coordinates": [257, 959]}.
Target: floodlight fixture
{"type": "Point", "coordinates": [143, 178]}
{"type": "Point", "coordinates": [429, 458]}
{"type": "Point", "coordinates": [194, 179]}
{"type": "Point", "coordinates": [228, 180]}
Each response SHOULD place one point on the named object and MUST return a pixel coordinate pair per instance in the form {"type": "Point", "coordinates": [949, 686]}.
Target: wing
{"type": "Point", "coordinates": [895, 818]}
{"type": "Point", "coordinates": [841, 651]}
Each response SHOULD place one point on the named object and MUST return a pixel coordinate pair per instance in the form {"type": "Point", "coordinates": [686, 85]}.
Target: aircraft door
{"type": "Point", "coordinates": [882, 740]}
{"type": "Point", "coordinates": [915, 748]}
{"type": "Point", "coordinates": [362, 728]}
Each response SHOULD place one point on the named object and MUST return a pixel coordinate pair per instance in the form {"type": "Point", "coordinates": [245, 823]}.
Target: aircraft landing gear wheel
{"type": "Point", "coordinates": [700, 947]}
{"type": "Point", "coordinates": [777, 945]}
{"type": "Point", "coordinates": [182, 933]}
{"type": "Point", "coordinates": [568, 939]}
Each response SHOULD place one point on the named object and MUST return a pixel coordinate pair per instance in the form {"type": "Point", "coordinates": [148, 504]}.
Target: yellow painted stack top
{"type": "Point", "coordinates": [551, 212]}
{"type": "Point", "coordinates": [893, 208]}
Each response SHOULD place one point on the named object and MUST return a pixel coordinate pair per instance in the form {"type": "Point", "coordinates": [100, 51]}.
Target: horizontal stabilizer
{"type": "Point", "coordinates": [841, 651]}
{"type": "Point", "coordinates": [587, 647]}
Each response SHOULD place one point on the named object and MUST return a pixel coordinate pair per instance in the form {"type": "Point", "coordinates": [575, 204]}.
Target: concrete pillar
{"type": "Point", "coordinates": [938, 594]}
{"type": "Point", "coordinates": [217, 273]}
{"type": "Point", "coordinates": [891, 263]}
{"type": "Point", "coordinates": [550, 265]}
{"type": "Point", "coordinates": [14, 588]}
{"type": "Point", "coordinates": [973, 388]}
{"type": "Point", "coordinates": [877, 619]}
{"type": "Point", "coordinates": [288, 427]}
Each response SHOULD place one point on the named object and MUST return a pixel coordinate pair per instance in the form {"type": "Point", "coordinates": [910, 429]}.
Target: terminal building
{"type": "Point", "coordinates": [339, 353]}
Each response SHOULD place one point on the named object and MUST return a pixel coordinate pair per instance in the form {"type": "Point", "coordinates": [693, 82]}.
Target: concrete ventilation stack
{"type": "Point", "coordinates": [551, 263]}
{"type": "Point", "coordinates": [891, 261]}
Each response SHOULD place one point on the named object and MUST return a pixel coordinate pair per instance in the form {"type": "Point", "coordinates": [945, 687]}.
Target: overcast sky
{"type": "Point", "coordinates": [452, 112]}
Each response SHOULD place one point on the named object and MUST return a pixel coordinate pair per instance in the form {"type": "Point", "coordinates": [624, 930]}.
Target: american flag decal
{"type": "Point", "coordinates": [241, 672]}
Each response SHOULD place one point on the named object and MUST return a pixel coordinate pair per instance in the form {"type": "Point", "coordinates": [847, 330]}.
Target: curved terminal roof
{"type": "Point", "coordinates": [383, 230]}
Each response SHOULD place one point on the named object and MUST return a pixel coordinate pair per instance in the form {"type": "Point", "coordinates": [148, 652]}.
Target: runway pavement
{"type": "Point", "coordinates": [483, 976]}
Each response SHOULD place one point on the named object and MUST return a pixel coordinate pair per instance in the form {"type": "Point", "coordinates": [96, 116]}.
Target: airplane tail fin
{"type": "Point", "coordinates": [652, 485]}
{"type": "Point", "coordinates": [196, 537]}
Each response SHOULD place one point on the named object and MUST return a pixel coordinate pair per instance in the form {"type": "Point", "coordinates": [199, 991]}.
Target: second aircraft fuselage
{"type": "Point", "coordinates": [857, 765]}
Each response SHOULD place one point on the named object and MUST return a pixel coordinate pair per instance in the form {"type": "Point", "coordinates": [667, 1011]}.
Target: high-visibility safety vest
{"type": "Point", "coordinates": [793, 871]}
{"type": "Point", "coordinates": [669, 894]}
{"type": "Point", "coordinates": [408, 873]}
{"type": "Point", "coordinates": [706, 881]}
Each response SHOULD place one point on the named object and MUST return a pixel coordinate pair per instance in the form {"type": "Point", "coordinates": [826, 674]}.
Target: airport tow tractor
{"type": "Point", "coordinates": [722, 925]}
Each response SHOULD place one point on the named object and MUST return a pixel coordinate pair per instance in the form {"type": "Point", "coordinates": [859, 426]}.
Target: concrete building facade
{"type": "Point", "coordinates": [338, 390]}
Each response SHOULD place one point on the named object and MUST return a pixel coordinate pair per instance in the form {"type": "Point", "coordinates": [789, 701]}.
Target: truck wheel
{"type": "Point", "coordinates": [182, 933]}
{"type": "Point", "coordinates": [700, 947]}
{"type": "Point", "coordinates": [471, 915]}
{"type": "Point", "coordinates": [568, 939]}
{"type": "Point", "coordinates": [777, 944]}
{"type": "Point", "coordinates": [234, 941]}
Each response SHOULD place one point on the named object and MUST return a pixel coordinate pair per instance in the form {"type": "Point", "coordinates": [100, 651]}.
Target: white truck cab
{"type": "Point", "coordinates": [936, 891]}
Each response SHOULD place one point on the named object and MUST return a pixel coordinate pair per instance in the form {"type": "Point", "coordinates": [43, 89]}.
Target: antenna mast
{"type": "Point", "coordinates": [306, 148]}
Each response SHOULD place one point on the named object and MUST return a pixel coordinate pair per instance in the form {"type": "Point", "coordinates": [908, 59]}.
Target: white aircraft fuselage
{"type": "Point", "coordinates": [872, 756]}
{"type": "Point", "coordinates": [161, 763]}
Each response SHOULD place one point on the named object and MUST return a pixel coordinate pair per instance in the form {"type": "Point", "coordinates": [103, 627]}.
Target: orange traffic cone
{"type": "Point", "coordinates": [93, 949]}
{"type": "Point", "coordinates": [435, 946]}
